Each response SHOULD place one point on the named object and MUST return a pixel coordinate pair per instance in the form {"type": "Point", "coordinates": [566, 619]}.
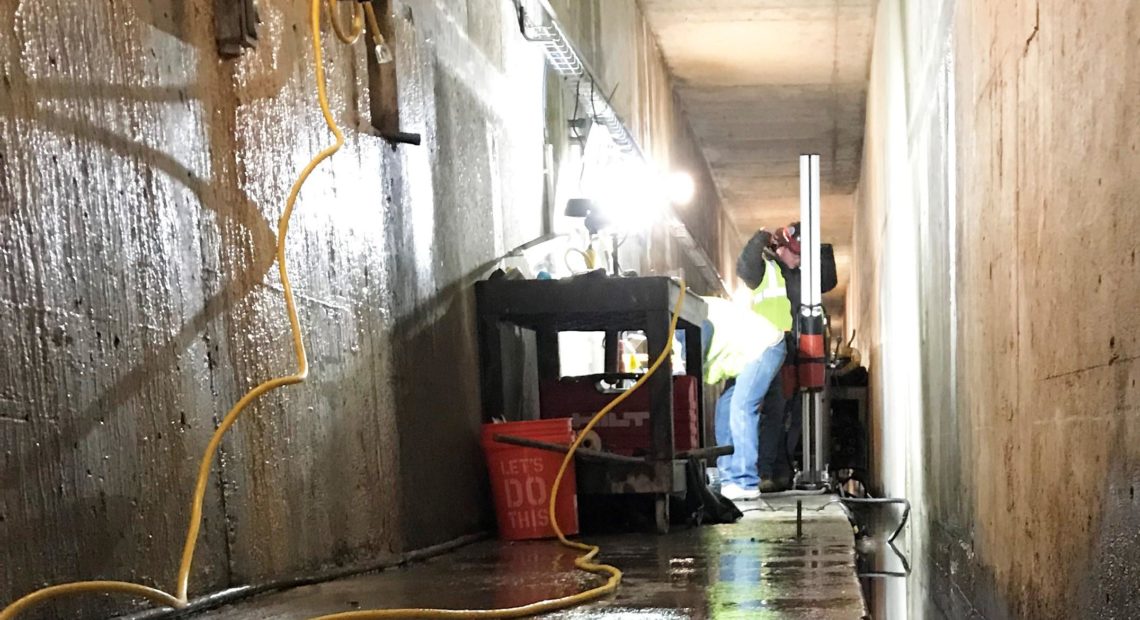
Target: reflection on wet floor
{"type": "Point", "coordinates": [756, 568]}
{"type": "Point", "coordinates": [886, 572]}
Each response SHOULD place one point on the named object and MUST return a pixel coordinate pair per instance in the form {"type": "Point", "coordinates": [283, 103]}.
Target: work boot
{"type": "Point", "coordinates": [775, 485]}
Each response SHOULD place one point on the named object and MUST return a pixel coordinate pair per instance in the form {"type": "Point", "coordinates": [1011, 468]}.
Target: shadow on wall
{"type": "Point", "coordinates": [242, 227]}
{"type": "Point", "coordinates": [438, 414]}
{"type": "Point", "coordinates": [435, 369]}
{"type": "Point", "coordinates": [1111, 590]}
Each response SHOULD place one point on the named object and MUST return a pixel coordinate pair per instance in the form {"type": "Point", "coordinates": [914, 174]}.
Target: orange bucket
{"type": "Point", "coordinates": [522, 478]}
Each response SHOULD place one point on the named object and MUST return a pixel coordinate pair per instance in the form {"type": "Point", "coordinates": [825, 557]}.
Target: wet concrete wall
{"type": "Point", "coordinates": [140, 181]}
{"type": "Point", "coordinates": [1014, 176]}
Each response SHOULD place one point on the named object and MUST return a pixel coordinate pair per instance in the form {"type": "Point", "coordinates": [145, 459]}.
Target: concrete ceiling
{"type": "Point", "coordinates": [763, 81]}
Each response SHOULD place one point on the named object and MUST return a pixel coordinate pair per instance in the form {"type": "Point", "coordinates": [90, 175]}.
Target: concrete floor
{"type": "Point", "coordinates": [756, 568]}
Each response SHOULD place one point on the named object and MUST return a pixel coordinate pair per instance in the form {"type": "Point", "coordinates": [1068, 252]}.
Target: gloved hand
{"type": "Point", "coordinates": [768, 242]}
{"type": "Point", "coordinates": [763, 237]}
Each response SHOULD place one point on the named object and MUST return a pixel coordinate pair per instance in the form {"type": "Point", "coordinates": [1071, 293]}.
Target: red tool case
{"type": "Point", "coordinates": [626, 429]}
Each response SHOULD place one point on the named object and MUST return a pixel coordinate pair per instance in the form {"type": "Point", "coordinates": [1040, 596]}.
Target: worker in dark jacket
{"type": "Point", "coordinates": [761, 253]}
{"type": "Point", "coordinates": [785, 244]}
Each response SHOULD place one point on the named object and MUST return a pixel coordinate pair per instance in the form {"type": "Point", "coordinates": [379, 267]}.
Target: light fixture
{"type": "Point", "coordinates": [631, 195]}
{"type": "Point", "coordinates": [594, 219]}
{"type": "Point", "coordinates": [538, 23]}
{"type": "Point", "coordinates": [680, 187]}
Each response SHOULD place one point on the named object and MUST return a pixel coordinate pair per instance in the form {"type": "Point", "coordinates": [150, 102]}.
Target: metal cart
{"type": "Point", "coordinates": [594, 303]}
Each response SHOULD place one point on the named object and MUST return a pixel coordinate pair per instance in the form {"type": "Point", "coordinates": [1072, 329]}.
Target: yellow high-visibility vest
{"type": "Point", "coordinates": [739, 336]}
{"type": "Point", "coordinates": [770, 299]}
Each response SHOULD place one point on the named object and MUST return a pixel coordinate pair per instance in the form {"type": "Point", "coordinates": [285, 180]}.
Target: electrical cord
{"type": "Point", "coordinates": [348, 37]}
{"type": "Point", "coordinates": [379, 45]}
{"type": "Point", "coordinates": [593, 93]}
{"type": "Point", "coordinates": [574, 115]}
{"type": "Point", "coordinates": [181, 599]}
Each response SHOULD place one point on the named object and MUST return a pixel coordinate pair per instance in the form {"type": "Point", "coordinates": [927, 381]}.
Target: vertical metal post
{"type": "Point", "coordinates": [819, 420]}
{"type": "Point", "coordinates": [805, 231]}
{"type": "Point", "coordinates": [613, 351]}
{"type": "Point", "coordinates": [814, 290]}
{"type": "Point", "coordinates": [814, 436]}
{"type": "Point", "coordinates": [820, 444]}
{"type": "Point", "coordinates": [660, 388]}
{"type": "Point", "coordinates": [807, 435]}
{"type": "Point", "coordinates": [491, 369]}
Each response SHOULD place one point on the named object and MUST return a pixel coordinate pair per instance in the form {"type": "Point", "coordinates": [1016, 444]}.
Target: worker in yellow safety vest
{"type": "Point", "coordinates": [769, 298]}
{"type": "Point", "coordinates": [769, 266]}
{"type": "Point", "coordinates": [745, 349]}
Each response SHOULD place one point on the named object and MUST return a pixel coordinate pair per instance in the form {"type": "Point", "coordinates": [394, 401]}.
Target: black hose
{"type": "Point", "coordinates": [884, 500]}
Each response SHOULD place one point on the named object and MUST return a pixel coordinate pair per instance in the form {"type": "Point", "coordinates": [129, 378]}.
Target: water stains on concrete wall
{"type": "Point", "coordinates": [1028, 349]}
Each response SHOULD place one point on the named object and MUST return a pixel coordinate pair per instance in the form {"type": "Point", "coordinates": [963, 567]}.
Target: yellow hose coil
{"type": "Point", "coordinates": [347, 36]}
{"type": "Point", "coordinates": [181, 600]}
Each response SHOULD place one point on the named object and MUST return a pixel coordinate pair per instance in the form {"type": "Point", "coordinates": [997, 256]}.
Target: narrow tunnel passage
{"type": "Point", "coordinates": [977, 214]}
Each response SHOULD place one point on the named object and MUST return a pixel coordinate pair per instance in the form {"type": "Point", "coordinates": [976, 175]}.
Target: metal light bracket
{"type": "Point", "coordinates": [815, 433]}
{"type": "Point", "coordinates": [383, 84]}
{"type": "Point", "coordinates": [235, 25]}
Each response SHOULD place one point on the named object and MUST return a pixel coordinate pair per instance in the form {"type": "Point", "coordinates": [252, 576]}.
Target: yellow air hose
{"type": "Point", "coordinates": [348, 37]}
{"type": "Point", "coordinates": [181, 600]}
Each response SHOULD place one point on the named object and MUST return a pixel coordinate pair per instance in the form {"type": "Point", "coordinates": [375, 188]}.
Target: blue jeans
{"type": "Point", "coordinates": [738, 422]}
{"type": "Point", "coordinates": [776, 441]}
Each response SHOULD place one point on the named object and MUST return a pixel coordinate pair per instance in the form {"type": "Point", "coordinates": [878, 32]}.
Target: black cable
{"type": "Point", "coordinates": [523, 25]}
{"type": "Point", "coordinates": [886, 500]}
{"type": "Point", "coordinates": [593, 93]}
{"type": "Point", "coordinates": [574, 115]}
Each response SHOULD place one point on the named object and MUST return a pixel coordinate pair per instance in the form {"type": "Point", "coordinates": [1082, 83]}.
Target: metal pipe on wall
{"type": "Point", "coordinates": [820, 419]}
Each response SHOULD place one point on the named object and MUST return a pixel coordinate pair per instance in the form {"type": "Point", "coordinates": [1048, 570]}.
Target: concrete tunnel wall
{"type": "Point", "coordinates": [140, 180]}
{"type": "Point", "coordinates": [994, 293]}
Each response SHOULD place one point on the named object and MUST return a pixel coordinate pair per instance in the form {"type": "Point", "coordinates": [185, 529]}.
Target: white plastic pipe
{"type": "Point", "coordinates": [814, 208]}
{"type": "Point", "coordinates": [805, 229]}
{"type": "Point", "coordinates": [814, 435]}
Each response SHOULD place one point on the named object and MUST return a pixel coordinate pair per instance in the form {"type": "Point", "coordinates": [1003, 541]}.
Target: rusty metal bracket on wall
{"type": "Point", "coordinates": [383, 84]}
{"type": "Point", "coordinates": [235, 26]}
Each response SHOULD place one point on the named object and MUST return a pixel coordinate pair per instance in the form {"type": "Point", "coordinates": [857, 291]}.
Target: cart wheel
{"type": "Point", "coordinates": [661, 512]}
